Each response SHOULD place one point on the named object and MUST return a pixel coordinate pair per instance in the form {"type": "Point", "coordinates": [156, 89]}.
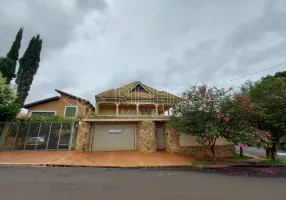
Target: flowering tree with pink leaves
{"type": "Point", "coordinates": [211, 114]}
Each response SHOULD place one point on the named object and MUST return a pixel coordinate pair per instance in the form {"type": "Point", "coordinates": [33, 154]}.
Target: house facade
{"type": "Point", "coordinates": [135, 117]}
{"type": "Point", "coordinates": [65, 105]}
{"type": "Point", "coordinates": [134, 100]}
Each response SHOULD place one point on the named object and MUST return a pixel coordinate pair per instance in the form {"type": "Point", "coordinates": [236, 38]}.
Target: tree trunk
{"type": "Point", "coordinates": [268, 153]}
{"type": "Point", "coordinates": [212, 148]}
{"type": "Point", "coordinates": [274, 151]}
{"type": "Point", "coordinates": [241, 152]}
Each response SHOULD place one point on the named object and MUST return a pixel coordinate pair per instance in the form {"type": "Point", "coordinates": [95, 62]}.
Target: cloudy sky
{"type": "Point", "coordinates": [94, 45]}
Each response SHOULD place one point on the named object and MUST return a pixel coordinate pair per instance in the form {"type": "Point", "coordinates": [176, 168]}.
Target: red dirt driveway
{"type": "Point", "coordinates": [95, 159]}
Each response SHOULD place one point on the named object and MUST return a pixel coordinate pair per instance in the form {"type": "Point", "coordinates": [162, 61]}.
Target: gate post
{"type": "Point", "coordinates": [49, 135]}
{"type": "Point", "coordinates": [83, 137]}
{"type": "Point", "coordinates": [71, 136]}
{"type": "Point", "coordinates": [27, 136]}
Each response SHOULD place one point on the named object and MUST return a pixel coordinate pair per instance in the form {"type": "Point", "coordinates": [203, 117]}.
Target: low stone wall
{"type": "Point", "coordinates": [173, 146]}
{"type": "Point", "coordinates": [146, 137]}
{"type": "Point", "coordinates": [83, 137]}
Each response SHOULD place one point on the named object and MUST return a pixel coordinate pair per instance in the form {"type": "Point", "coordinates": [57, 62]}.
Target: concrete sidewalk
{"type": "Point", "coordinates": [95, 159]}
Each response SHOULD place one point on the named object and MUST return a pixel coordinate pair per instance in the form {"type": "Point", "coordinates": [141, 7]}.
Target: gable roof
{"type": "Point", "coordinates": [73, 96]}
{"type": "Point", "coordinates": [27, 106]}
{"type": "Point", "coordinates": [139, 87]}
{"type": "Point", "coordinates": [41, 102]}
{"type": "Point", "coordinates": [124, 92]}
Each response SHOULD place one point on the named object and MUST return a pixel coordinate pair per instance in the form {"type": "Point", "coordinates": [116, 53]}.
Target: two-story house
{"type": "Point", "coordinates": [134, 117]}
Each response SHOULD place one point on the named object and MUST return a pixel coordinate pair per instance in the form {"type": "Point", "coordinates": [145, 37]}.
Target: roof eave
{"type": "Point", "coordinates": [27, 106]}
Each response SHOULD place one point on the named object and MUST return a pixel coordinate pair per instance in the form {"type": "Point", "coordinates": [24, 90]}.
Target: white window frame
{"type": "Point", "coordinates": [71, 107]}
{"type": "Point", "coordinates": [42, 111]}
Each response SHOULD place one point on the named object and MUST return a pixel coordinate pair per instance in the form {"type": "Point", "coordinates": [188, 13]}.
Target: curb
{"type": "Point", "coordinates": [141, 167]}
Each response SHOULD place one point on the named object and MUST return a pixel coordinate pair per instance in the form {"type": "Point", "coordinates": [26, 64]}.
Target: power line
{"type": "Point", "coordinates": [255, 72]}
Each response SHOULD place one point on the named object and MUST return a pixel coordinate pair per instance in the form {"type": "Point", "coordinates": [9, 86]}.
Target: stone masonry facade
{"type": "Point", "coordinates": [147, 141]}
{"type": "Point", "coordinates": [83, 138]}
{"type": "Point", "coordinates": [173, 146]}
{"type": "Point", "coordinates": [146, 137]}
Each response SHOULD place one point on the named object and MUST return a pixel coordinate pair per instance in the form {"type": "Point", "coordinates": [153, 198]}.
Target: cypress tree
{"type": "Point", "coordinates": [8, 64]}
{"type": "Point", "coordinates": [7, 69]}
{"type": "Point", "coordinates": [29, 65]}
{"type": "Point", "coordinates": [15, 48]}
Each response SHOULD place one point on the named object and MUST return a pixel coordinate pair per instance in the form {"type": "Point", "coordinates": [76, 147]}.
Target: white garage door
{"type": "Point", "coordinates": [114, 137]}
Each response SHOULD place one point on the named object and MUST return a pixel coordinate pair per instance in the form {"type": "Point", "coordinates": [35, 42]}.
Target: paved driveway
{"type": "Point", "coordinates": [125, 184]}
{"type": "Point", "coordinates": [261, 152]}
{"type": "Point", "coordinates": [95, 159]}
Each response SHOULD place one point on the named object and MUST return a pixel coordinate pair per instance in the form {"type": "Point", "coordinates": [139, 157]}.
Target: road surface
{"type": "Point", "coordinates": [261, 152]}
{"type": "Point", "coordinates": [141, 184]}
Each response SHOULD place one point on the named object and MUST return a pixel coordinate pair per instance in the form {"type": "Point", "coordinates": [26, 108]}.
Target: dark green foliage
{"type": "Point", "coordinates": [8, 64]}
{"type": "Point", "coordinates": [277, 75]}
{"type": "Point", "coordinates": [280, 74]}
{"type": "Point", "coordinates": [29, 65]}
{"type": "Point", "coordinates": [270, 94]}
{"type": "Point", "coordinates": [7, 68]}
{"type": "Point", "coordinates": [15, 48]}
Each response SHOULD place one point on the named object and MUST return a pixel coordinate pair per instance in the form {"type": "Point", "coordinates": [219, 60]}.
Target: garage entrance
{"type": "Point", "coordinates": [114, 137]}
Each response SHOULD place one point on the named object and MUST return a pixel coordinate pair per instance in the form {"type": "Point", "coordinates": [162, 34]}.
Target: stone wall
{"type": "Point", "coordinates": [173, 146]}
{"type": "Point", "coordinates": [83, 137]}
{"type": "Point", "coordinates": [146, 137]}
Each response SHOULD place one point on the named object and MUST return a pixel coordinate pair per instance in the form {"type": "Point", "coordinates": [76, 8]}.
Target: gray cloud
{"type": "Point", "coordinates": [92, 46]}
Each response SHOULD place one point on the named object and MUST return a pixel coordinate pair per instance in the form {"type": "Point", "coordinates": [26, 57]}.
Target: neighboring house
{"type": "Point", "coordinates": [134, 99]}
{"type": "Point", "coordinates": [65, 105]}
{"type": "Point", "coordinates": [137, 120]}
{"type": "Point", "coordinates": [22, 115]}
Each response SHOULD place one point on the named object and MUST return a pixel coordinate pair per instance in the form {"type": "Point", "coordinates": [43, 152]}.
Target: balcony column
{"type": "Point", "coordinates": [97, 109]}
{"type": "Point", "coordinates": [156, 109]}
{"type": "Point", "coordinates": [163, 107]}
{"type": "Point", "coordinates": [137, 109]}
{"type": "Point", "coordinates": [117, 109]}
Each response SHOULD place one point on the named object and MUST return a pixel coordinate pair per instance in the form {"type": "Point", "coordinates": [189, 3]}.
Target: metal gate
{"type": "Point", "coordinates": [160, 138]}
{"type": "Point", "coordinates": [114, 137]}
{"type": "Point", "coordinates": [37, 136]}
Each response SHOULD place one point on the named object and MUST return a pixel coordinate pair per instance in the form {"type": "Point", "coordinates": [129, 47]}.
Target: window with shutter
{"type": "Point", "coordinates": [70, 111]}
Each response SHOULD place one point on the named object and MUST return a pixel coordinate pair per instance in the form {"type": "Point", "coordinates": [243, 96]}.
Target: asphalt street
{"type": "Point", "coordinates": [140, 184]}
{"type": "Point", "coordinates": [261, 152]}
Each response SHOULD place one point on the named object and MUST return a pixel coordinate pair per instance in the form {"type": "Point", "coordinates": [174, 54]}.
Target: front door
{"type": "Point", "coordinates": [160, 138]}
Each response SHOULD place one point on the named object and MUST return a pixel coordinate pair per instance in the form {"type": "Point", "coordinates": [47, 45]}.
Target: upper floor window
{"type": "Point", "coordinates": [70, 111]}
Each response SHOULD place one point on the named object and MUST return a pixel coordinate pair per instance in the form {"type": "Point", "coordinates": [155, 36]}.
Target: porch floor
{"type": "Point", "coordinates": [95, 159]}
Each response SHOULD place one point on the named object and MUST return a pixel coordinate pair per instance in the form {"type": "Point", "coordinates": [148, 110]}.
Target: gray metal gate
{"type": "Point", "coordinates": [37, 136]}
{"type": "Point", "coordinates": [114, 137]}
{"type": "Point", "coordinates": [160, 138]}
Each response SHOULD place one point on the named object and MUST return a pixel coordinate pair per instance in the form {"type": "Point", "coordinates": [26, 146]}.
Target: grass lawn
{"type": "Point", "coordinates": [237, 157]}
{"type": "Point", "coordinates": [277, 162]}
